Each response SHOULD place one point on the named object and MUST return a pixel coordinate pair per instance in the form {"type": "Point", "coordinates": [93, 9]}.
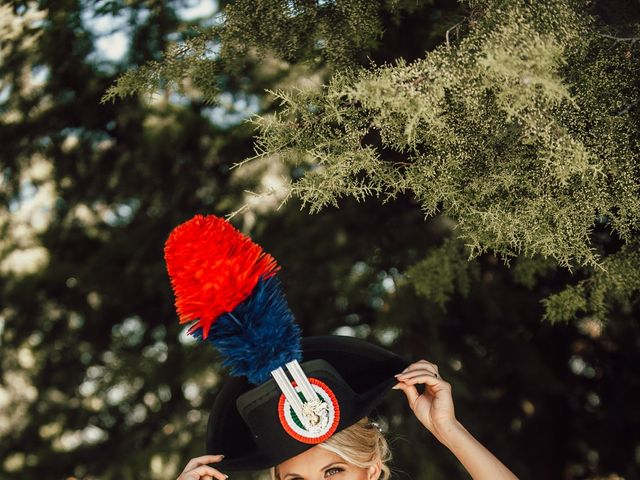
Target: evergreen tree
{"type": "Point", "coordinates": [521, 125]}
{"type": "Point", "coordinates": [95, 381]}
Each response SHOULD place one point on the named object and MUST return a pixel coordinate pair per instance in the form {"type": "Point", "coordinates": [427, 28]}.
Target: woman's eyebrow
{"type": "Point", "coordinates": [296, 475]}
{"type": "Point", "coordinates": [292, 475]}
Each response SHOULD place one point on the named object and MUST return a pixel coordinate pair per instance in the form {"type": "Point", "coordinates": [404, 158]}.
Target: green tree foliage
{"type": "Point", "coordinates": [318, 33]}
{"type": "Point", "coordinates": [524, 132]}
{"type": "Point", "coordinates": [523, 129]}
{"type": "Point", "coordinates": [443, 272]}
{"type": "Point", "coordinates": [193, 59]}
{"type": "Point", "coordinates": [93, 376]}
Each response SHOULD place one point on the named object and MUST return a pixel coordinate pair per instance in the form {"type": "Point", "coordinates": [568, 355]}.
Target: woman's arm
{"type": "Point", "coordinates": [434, 408]}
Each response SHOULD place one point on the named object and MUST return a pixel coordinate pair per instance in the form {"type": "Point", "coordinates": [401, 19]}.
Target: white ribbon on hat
{"type": "Point", "coordinates": [297, 404]}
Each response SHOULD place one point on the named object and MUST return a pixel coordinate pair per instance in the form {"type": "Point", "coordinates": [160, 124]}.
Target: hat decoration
{"type": "Point", "coordinates": [227, 285]}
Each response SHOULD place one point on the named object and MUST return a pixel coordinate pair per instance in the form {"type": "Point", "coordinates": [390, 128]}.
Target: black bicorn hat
{"type": "Point", "coordinates": [287, 393]}
{"type": "Point", "coordinates": [245, 422]}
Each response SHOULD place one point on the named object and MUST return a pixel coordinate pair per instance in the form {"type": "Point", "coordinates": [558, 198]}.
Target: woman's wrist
{"type": "Point", "coordinates": [478, 461]}
{"type": "Point", "coordinates": [449, 433]}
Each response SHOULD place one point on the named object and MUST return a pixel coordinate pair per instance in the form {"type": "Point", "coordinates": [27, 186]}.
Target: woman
{"type": "Point", "coordinates": [295, 405]}
{"type": "Point", "coordinates": [360, 451]}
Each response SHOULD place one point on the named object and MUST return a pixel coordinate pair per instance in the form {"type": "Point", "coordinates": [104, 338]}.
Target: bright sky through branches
{"type": "Point", "coordinates": [113, 31]}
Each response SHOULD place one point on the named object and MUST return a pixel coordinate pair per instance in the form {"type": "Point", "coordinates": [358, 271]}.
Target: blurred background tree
{"type": "Point", "coordinates": [97, 379]}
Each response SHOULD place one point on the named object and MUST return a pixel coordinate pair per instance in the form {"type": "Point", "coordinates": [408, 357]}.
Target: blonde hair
{"type": "Point", "coordinates": [362, 444]}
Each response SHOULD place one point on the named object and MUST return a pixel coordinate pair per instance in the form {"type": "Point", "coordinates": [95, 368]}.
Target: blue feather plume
{"type": "Point", "coordinates": [259, 335]}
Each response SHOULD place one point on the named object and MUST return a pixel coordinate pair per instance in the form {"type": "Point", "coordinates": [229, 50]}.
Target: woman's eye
{"type": "Point", "coordinates": [332, 471]}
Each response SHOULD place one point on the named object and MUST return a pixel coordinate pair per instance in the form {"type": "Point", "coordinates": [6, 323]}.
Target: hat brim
{"type": "Point", "coordinates": [367, 368]}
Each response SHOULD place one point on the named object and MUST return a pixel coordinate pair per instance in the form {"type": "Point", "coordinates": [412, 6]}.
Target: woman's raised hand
{"type": "Point", "coordinates": [197, 469]}
{"type": "Point", "coordinates": [434, 407]}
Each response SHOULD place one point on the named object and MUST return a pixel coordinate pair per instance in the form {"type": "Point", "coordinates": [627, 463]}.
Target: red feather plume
{"type": "Point", "coordinates": [213, 267]}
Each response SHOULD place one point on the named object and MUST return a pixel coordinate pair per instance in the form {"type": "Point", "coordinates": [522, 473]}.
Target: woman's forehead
{"type": "Point", "coordinates": [313, 460]}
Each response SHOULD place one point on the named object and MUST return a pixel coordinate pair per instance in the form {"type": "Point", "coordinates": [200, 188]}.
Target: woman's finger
{"type": "Point", "coordinates": [410, 391]}
{"type": "Point", "coordinates": [422, 362]}
{"type": "Point", "coordinates": [422, 377]}
{"type": "Point", "coordinates": [203, 471]}
{"type": "Point", "coordinates": [427, 378]}
{"type": "Point", "coordinates": [433, 385]}
{"type": "Point", "coordinates": [415, 373]}
{"type": "Point", "coordinates": [427, 362]}
{"type": "Point", "coordinates": [421, 365]}
{"type": "Point", "coordinates": [203, 460]}
{"type": "Point", "coordinates": [433, 365]}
